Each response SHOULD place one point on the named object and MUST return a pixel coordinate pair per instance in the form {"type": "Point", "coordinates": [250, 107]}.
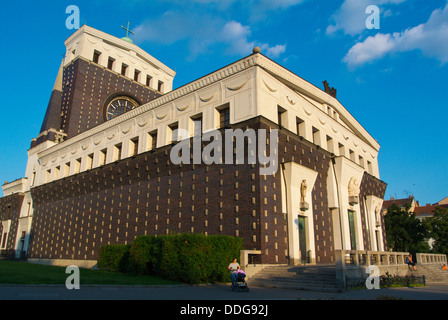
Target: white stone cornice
{"type": "Point", "coordinates": [308, 89]}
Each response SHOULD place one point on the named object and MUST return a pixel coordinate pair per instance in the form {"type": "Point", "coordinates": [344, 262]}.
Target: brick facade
{"type": "Point", "coordinates": [147, 194]}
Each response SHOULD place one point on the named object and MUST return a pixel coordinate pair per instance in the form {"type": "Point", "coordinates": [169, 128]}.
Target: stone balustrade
{"type": "Point", "coordinates": [430, 258]}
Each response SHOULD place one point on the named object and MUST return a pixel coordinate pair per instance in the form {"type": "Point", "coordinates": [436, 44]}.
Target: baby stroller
{"type": "Point", "coordinates": [240, 282]}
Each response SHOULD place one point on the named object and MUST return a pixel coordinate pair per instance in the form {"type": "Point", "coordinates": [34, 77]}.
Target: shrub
{"type": "Point", "coordinates": [114, 257]}
{"type": "Point", "coordinates": [190, 258]}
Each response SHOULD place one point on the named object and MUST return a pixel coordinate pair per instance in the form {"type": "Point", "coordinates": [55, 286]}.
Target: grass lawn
{"type": "Point", "coordinates": [19, 272]}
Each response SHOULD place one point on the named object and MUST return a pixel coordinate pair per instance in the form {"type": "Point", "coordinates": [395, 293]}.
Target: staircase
{"type": "Point", "coordinates": [433, 273]}
{"type": "Point", "coordinates": [309, 278]}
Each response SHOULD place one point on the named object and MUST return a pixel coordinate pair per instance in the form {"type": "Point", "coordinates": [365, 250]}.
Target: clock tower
{"type": "Point", "coordinates": [100, 78]}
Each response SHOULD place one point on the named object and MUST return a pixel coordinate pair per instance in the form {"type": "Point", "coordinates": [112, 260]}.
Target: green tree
{"type": "Point", "coordinates": [439, 230]}
{"type": "Point", "coordinates": [404, 232]}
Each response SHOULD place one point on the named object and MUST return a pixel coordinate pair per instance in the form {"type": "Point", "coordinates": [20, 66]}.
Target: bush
{"type": "Point", "coordinates": [389, 280]}
{"type": "Point", "coordinates": [114, 257]}
{"type": "Point", "coordinates": [190, 258]}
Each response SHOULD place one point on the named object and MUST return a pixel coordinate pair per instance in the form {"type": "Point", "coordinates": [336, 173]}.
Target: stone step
{"type": "Point", "coordinates": [296, 286]}
{"type": "Point", "coordinates": [311, 278]}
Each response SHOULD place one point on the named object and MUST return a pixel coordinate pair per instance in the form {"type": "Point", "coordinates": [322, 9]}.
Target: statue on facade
{"type": "Point", "coordinates": [353, 191]}
{"type": "Point", "coordinates": [303, 188]}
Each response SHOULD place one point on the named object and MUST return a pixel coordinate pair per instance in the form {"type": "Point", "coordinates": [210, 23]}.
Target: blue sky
{"type": "Point", "coordinates": [391, 79]}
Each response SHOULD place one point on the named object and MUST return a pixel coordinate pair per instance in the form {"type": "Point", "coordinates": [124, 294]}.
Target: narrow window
{"type": "Point", "coordinates": [352, 155]}
{"type": "Point", "coordinates": [197, 125]}
{"type": "Point", "coordinates": [103, 157]}
{"type": "Point", "coordinates": [224, 117]}
{"type": "Point", "coordinates": [148, 81]}
{"type": "Point", "coordinates": [89, 161]}
{"type": "Point", "coordinates": [56, 172]}
{"type": "Point", "coordinates": [5, 236]}
{"type": "Point", "coordinates": [300, 127]}
{"type": "Point", "coordinates": [361, 161]}
{"type": "Point", "coordinates": [369, 167]}
{"type": "Point", "coordinates": [134, 146]}
{"type": "Point", "coordinates": [341, 149]}
{"type": "Point", "coordinates": [316, 136]}
{"type": "Point", "coordinates": [117, 152]}
{"type": "Point", "coordinates": [77, 165]}
{"type": "Point", "coordinates": [124, 69]}
{"type": "Point", "coordinates": [174, 133]}
{"type": "Point", "coordinates": [66, 169]}
{"type": "Point", "coordinates": [153, 140]}
{"type": "Point", "coordinates": [33, 178]}
{"type": "Point", "coordinates": [110, 63]}
{"type": "Point", "coordinates": [136, 75]}
{"type": "Point", "coordinates": [160, 86]}
{"type": "Point", "coordinates": [281, 113]}
{"type": "Point", "coordinates": [96, 56]}
{"type": "Point", "coordinates": [330, 145]}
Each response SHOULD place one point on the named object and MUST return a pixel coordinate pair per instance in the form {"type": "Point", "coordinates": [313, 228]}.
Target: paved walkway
{"type": "Point", "coordinates": [209, 292]}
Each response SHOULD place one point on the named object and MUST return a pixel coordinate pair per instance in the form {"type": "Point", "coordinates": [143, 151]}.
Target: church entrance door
{"type": "Point", "coordinates": [302, 238]}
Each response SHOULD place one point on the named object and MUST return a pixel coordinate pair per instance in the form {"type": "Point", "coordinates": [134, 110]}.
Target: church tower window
{"type": "Point", "coordinates": [136, 75]}
{"type": "Point", "coordinates": [110, 63]}
{"type": "Point", "coordinates": [224, 117]}
{"type": "Point", "coordinates": [124, 69]}
{"type": "Point", "coordinates": [96, 56]}
{"type": "Point", "coordinates": [148, 81]}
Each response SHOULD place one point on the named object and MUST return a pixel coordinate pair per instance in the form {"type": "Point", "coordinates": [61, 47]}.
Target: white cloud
{"type": "Point", "coordinates": [431, 38]}
{"type": "Point", "coordinates": [372, 48]}
{"type": "Point", "coordinates": [273, 52]}
{"type": "Point", "coordinates": [172, 27]}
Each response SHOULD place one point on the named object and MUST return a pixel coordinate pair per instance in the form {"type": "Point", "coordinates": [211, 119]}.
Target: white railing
{"type": "Point", "coordinates": [366, 258]}
{"type": "Point", "coordinates": [429, 258]}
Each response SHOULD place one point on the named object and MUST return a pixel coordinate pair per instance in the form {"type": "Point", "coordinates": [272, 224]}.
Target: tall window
{"type": "Point", "coordinates": [316, 136]}
{"type": "Point", "coordinates": [134, 146]}
{"type": "Point", "coordinates": [103, 157]}
{"type": "Point", "coordinates": [117, 152]}
{"type": "Point", "coordinates": [96, 56]}
{"type": "Point", "coordinates": [281, 113]}
{"type": "Point", "coordinates": [136, 75]}
{"type": "Point", "coordinates": [153, 140]}
{"type": "Point", "coordinates": [77, 165]}
{"type": "Point", "coordinates": [341, 149]}
{"type": "Point", "coordinates": [5, 237]}
{"type": "Point", "coordinates": [174, 133]}
{"type": "Point", "coordinates": [89, 161]}
{"type": "Point", "coordinates": [224, 117]}
{"type": "Point", "coordinates": [66, 169]}
{"type": "Point", "coordinates": [160, 86]}
{"type": "Point", "coordinates": [148, 81]}
{"type": "Point", "coordinates": [300, 127]}
{"type": "Point", "coordinates": [197, 125]}
{"type": "Point", "coordinates": [124, 69]}
{"type": "Point", "coordinates": [330, 145]}
{"type": "Point", "coordinates": [110, 63]}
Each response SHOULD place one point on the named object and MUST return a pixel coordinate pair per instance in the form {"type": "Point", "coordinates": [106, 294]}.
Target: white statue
{"type": "Point", "coordinates": [303, 188]}
{"type": "Point", "coordinates": [353, 187]}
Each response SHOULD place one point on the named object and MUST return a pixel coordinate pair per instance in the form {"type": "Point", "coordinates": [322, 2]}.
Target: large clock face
{"type": "Point", "coordinates": [119, 105]}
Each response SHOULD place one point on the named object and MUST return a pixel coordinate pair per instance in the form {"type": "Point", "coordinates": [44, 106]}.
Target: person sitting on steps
{"type": "Point", "coordinates": [410, 263]}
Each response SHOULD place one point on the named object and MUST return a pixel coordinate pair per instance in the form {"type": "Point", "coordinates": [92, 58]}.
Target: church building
{"type": "Point", "coordinates": [99, 171]}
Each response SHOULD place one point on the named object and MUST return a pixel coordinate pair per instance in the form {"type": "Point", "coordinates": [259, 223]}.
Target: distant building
{"type": "Point", "coordinates": [427, 211]}
{"type": "Point", "coordinates": [401, 203]}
